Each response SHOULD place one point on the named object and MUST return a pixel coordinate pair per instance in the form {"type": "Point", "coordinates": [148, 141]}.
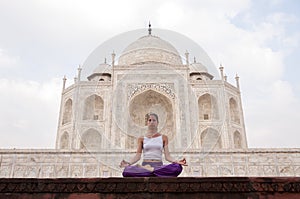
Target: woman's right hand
{"type": "Point", "coordinates": [124, 164]}
{"type": "Point", "coordinates": [182, 162]}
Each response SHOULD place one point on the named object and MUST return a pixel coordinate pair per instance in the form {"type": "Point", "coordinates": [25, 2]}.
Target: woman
{"type": "Point", "coordinates": [152, 145]}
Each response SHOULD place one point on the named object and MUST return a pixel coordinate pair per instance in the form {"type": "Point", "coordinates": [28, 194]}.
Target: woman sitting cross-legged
{"type": "Point", "coordinates": [152, 145]}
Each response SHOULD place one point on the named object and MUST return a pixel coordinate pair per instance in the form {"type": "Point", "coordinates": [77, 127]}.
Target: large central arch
{"type": "Point", "coordinates": [152, 101]}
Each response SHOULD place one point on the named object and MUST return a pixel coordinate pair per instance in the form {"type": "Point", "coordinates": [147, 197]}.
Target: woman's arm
{"type": "Point", "coordinates": [168, 156]}
{"type": "Point", "coordinates": [137, 155]}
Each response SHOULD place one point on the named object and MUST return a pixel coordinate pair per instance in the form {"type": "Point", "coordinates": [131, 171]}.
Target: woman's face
{"type": "Point", "coordinates": [152, 122]}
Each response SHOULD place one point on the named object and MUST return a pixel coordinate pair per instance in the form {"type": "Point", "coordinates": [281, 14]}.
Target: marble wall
{"type": "Point", "coordinates": [62, 164]}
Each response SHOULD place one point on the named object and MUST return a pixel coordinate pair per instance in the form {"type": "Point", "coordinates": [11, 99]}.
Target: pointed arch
{"type": "Point", "coordinates": [156, 102]}
{"type": "Point", "coordinates": [208, 107]}
{"type": "Point", "coordinates": [234, 111]}
{"type": "Point", "coordinates": [237, 139]}
{"type": "Point", "coordinates": [91, 140]}
{"type": "Point", "coordinates": [210, 139]}
{"type": "Point", "coordinates": [67, 114]}
{"type": "Point", "coordinates": [64, 140]}
{"type": "Point", "coordinates": [93, 108]}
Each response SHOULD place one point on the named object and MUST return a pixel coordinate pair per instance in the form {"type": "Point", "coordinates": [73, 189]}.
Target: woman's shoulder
{"type": "Point", "coordinates": [164, 137]}
{"type": "Point", "coordinates": [141, 138]}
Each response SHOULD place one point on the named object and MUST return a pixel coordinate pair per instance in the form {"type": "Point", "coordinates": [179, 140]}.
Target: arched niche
{"type": "Point", "coordinates": [234, 111]}
{"type": "Point", "coordinates": [93, 108]}
{"type": "Point", "coordinates": [210, 139]}
{"type": "Point", "coordinates": [151, 101]}
{"type": "Point", "coordinates": [208, 107]}
{"type": "Point", "coordinates": [237, 139]}
{"type": "Point", "coordinates": [64, 141]}
{"type": "Point", "coordinates": [67, 113]}
{"type": "Point", "coordinates": [91, 140]}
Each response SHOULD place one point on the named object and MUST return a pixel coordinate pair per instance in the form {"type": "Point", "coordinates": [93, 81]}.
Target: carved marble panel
{"type": "Point", "coordinates": [211, 170]}
{"type": "Point", "coordinates": [61, 170]}
{"type": "Point", "coordinates": [90, 170]}
{"type": "Point", "coordinates": [297, 170]}
{"type": "Point", "coordinates": [5, 171]}
{"type": "Point", "coordinates": [19, 171]}
{"type": "Point", "coordinates": [286, 170]}
{"type": "Point", "coordinates": [48, 171]}
{"type": "Point", "coordinates": [254, 170]}
{"type": "Point", "coordinates": [226, 170]}
{"type": "Point", "coordinates": [32, 171]}
{"type": "Point", "coordinates": [240, 170]}
{"type": "Point", "coordinates": [269, 170]}
{"type": "Point", "coordinates": [76, 171]}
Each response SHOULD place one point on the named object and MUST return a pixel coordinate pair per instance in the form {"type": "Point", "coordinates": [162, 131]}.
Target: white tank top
{"type": "Point", "coordinates": [152, 148]}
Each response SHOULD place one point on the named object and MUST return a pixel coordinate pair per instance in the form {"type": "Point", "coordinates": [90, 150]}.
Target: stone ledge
{"type": "Point", "coordinates": [215, 187]}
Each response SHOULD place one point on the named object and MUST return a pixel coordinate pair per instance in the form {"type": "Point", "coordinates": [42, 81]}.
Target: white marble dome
{"type": "Point", "coordinates": [197, 67]}
{"type": "Point", "coordinates": [135, 48]}
{"type": "Point", "coordinates": [150, 49]}
{"type": "Point", "coordinates": [102, 68]}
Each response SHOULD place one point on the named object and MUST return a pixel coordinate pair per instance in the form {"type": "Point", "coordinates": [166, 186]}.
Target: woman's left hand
{"type": "Point", "coordinates": [182, 162]}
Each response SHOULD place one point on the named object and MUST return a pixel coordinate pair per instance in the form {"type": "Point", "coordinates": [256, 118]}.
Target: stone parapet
{"type": "Point", "coordinates": [200, 188]}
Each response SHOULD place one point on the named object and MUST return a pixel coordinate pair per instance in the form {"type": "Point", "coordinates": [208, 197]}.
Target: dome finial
{"type": "Point", "coordinates": [149, 29]}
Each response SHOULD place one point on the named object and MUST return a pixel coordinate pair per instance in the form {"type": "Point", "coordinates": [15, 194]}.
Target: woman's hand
{"type": "Point", "coordinates": [124, 164]}
{"type": "Point", "coordinates": [182, 162]}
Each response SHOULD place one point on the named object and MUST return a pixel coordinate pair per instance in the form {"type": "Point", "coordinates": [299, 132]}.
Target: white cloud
{"type": "Point", "coordinates": [170, 14]}
{"type": "Point", "coordinates": [273, 117]}
{"type": "Point", "coordinates": [281, 18]}
{"type": "Point", "coordinates": [29, 112]}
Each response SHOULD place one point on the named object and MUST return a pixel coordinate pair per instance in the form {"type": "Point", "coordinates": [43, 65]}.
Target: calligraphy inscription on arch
{"type": "Point", "coordinates": [135, 89]}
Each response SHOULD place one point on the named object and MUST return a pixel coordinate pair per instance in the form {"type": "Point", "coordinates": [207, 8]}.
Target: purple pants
{"type": "Point", "coordinates": [160, 170]}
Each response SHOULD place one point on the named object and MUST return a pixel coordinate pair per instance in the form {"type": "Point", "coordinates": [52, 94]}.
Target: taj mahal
{"type": "Point", "coordinates": [150, 71]}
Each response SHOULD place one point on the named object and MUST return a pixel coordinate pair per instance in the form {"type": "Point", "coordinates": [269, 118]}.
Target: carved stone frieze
{"type": "Point", "coordinates": [134, 89]}
{"type": "Point", "coordinates": [151, 185]}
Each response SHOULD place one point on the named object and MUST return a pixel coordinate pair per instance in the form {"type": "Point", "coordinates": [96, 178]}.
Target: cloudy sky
{"type": "Point", "coordinates": [41, 41]}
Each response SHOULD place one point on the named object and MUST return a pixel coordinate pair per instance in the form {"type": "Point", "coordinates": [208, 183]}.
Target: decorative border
{"type": "Point", "coordinates": [134, 89]}
{"type": "Point", "coordinates": [150, 185]}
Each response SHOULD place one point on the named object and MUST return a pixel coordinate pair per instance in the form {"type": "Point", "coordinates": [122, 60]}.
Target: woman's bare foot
{"type": "Point", "coordinates": [147, 167]}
